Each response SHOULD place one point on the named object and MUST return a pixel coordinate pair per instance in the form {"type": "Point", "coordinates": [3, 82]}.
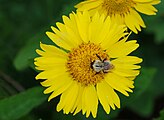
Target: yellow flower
{"type": "Point", "coordinates": [93, 65]}
{"type": "Point", "coordinates": [122, 11]}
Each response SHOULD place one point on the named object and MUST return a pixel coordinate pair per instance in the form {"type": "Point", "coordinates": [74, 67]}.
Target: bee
{"type": "Point", "coordinates": [101, 65]}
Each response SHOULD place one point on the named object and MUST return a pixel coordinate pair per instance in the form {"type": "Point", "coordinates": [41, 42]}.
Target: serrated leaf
{"type": "Point", "coordinates": [17, 106]}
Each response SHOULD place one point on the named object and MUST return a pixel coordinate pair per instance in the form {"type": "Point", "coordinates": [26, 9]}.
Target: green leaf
{"type": "Point", "coordinates": [144, 80]}
{"type": "Point", "coordinates": [67, 9]}
{"type": "Point", "coordinates": [17, 106]}
{"type": "Point", "coordinates": [144, 100]}
{"type": "Point", "coordinates": [161, 115]}
{"type": "Point", "coordinates": [3, 93]}
{"type": "Point", "coordinates": [28, 52]}
{"type": "Point", "coordinates": [143, 105]}
{"type": "Point", "coordinates": [138, 101]}
{"type": "Point", "coordinates": [141, 83]}
{"type": "Point", "coordinates": [155, 24]}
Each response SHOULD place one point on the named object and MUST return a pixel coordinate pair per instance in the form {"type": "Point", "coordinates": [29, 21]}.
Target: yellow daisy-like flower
{"type": "Point", "coordinates": [122, 11]}
{"type": "Point", "coordinates": [93, 66]}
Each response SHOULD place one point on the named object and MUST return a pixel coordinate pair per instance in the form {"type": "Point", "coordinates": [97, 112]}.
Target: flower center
{"type": "Point", "coordinates": [88, 64]}
{"type": "Point", "coordinates": [117, 6]}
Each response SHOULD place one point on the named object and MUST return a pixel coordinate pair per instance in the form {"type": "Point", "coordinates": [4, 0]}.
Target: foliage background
{"type": "Point", "coordinates": [22, 26]}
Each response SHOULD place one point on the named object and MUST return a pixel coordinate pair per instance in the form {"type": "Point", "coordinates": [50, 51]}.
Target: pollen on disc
{"type": "Point", "coordinates": [79, 63]}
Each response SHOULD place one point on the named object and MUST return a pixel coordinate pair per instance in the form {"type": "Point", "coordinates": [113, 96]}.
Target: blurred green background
{"type": "Point", "coordinates": [23, 25]}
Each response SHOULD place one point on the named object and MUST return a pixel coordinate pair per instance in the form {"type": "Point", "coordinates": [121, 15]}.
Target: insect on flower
{"type": "Point", "coordinates": [102, 65]}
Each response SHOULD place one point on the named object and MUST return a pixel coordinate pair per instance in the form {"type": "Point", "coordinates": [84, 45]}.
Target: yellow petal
{"type": "Point", "coordinates": [73, 36]}
{"type": "Point", "coordinates": [107, 96]}
{"type": "Point", "coordinates": [56, 79]}
{"type": "Point", "coordinates": [125, 66]}
{"type": "Point", "coordinates": [69, 34]}
{"type": "Point", "coordinates": [122, 48]}
{"type": "Point", "coordinates": [126, 72]}
{"type": "Point", "coordinates": [87, 5]}
{"type": "Point", "coordinates": [58, 83]}
{"type": "Point", "coordinates": [90, 100]}
{"type": "Point", "coordinates": [78, 104]}
{"type": "Point", "coordinates": [134, 21]}
{"type": "Point", "coordinates": [155, 2]}
{"type": "Point", "coordinates": [59, 41]}
{"type": "Point", "coordinates": [128, 60]}
{"type": "Point", "coordinates": [62, 101]}
{"type": "Point", "coordinates": [62, 33]}
{"type": "Point", "coordinates": [138, 18]}
{"type": "Point", "coordinates": [119, 83]}
{"type": "Point", "coordinates": [58, 91]}
{"type": "Point", "coordinates": [114, 35]}
{"type": "Point", "coordinates": [51, 50]}
{"type": "Point", "coordinates": [50, 60]}
{"type": "Point", "coordinates": [95, 27]}
{"type": "Point", "coordinates": [118, 19]}
{"type": "Point", "coordinates": [41, 66]}
{"type": "Point", "coordinates": [71, 96]}
{"type": "Point", "coordinates": [103, 100]}
{"type": "Point", "coordinates": [83, 21]}
{"type": "Point", "coordinates": [48, 74]}
{"type": "Point", "coordinates": [147, 9]}
{"type": "Point", "coordinates": [143, 1]}
{"type": "Point", "coordinates": [71, 24]}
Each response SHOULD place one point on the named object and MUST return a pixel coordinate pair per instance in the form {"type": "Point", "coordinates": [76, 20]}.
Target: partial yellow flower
{"type": "Point", "coordinates": [121, 11]}
{"type": "Point", "coordinates": [91, 64]}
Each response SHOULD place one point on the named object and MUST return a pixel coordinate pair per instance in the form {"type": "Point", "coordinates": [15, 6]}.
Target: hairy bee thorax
{"type": "Point", "coordinates": [102, 65]}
